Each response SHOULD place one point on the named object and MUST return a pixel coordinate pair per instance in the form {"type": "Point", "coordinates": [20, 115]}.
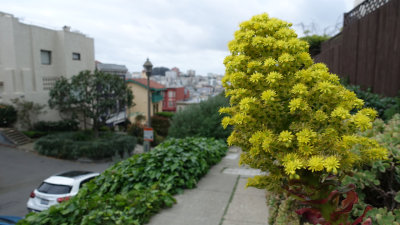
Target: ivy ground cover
{"type": "Point", "coordinates": [131, 191]}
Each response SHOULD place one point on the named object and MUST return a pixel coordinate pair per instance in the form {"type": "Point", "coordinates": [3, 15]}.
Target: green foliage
{"type": "Point", "coordinates": [281, 210]}
{"type": "Point", "coordinates": [8, 115]}
{"type": "Point", "coordinates": [315, 42]}
{"type": "Point", "coordinates": [160, 124]}
{"type": "Point", "coordinates": [385, 106]}
{"type": "Point", "coordinates": [136, 130]}
{"type": "Point", "coordinates": [34, 134]}
{"type": "Point", "coordinates": [56, 126]}
{"type": "Point", "coordinates": [379, 183]}
{"type": "Point", "coordinates": [27, 112]}
{"type": "Point", "coordinates": [134, 189]}
{"type": "Point", "coordinates": [91, 96]}
{"type": "Point", "coordinates": [73, 145]}
{"type": "Point", "coordinates": [200, 120]}
{"type": "Point", "coordinates": [166, 114]}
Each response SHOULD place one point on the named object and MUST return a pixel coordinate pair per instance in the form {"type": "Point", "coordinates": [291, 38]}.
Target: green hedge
{"type": "Point", "coordinates": [73, 145]}
{"type": "Point", "coordinates": [160, 124]}
{"type": "Point", "coordinates": [56, 126]}
{"type": "Point", "coordinates": [134, 189]}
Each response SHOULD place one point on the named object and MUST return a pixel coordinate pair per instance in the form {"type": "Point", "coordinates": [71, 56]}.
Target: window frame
{"type": "Point", "coordinates": [42, 52]}
{"type": "Point", "coordinates": [76, 54]}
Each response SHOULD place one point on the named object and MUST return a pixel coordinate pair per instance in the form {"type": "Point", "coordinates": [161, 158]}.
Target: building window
{"type": "Point", "coordinates": [76, 56]}
{"type": "Point", "coordinates": [171, 94]}
{"type": "Point", "coordinates": [171, 103]}
{"type": "Point", "coordinates": [45, 57]}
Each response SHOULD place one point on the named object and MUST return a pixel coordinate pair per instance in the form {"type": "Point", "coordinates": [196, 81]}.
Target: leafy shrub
{"type": "Point", "coordinates": [315, 42]}
{"type": "Point", "coordinates": [385, 106]}
{"type": "Point", "coordinates": [56, 126]}
{"type": "Point", "coordinates": [132, 190]}
{"type": "Point", "coordinates": [166, 114]}
{"type": "Point", "coordinates": [34, 134]}
{"type": "Point", "coordinates": [200, 120]}
{"type": "Point", "coordinates": [136, 130]}
{"type": "Point", "coordinates": [379, 183]}
{"type": "Point", "coordinates": [73, 145]}
{"type": "Point", "coordinates": [8, 115]}
{"type": "Point", "coordinates": [282, 210]}
{"type": "Point", "coordinates": [160, 124]}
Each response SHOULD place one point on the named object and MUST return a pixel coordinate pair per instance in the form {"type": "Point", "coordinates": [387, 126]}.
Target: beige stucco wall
{"type": "Point", "coordinates": [21, 71]}
{"type": "Point", "coordinates": [140, 99]}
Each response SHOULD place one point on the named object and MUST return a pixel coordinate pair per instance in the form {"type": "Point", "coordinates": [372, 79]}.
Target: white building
{"type": "Point", "coordinates": [33, 58]}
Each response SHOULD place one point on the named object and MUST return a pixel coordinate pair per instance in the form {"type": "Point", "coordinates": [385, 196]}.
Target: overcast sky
{"type": "Point", "coordinates": [188, 34]}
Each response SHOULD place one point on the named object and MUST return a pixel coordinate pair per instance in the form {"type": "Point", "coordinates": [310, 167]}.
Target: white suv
{"type": "Point", "coordinates": [58, 188]}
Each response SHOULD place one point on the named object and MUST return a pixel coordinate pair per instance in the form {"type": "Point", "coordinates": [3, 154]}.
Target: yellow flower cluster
{"type": "Point", "coordinates": [291, 117]}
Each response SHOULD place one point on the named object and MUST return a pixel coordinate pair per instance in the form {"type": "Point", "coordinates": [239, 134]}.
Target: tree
{"type": "Point", "coordinates": [293, 120]}
{"type": "Point", "coordinates": [27, 112]}
{"type": "Point", "coordinates": [95, 96]}
{"type": "Point", "coordinates": [200, 120]}
{"type": "Point", "coordinates": [8, 115]}
{"type": "Point", "coordinates": [315, 42]}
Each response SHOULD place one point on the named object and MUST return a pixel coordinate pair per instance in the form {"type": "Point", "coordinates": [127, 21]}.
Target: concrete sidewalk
{"type": "Point", "coordinates": [220, 198]}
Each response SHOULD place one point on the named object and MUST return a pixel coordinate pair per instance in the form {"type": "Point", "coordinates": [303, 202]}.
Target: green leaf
{"type": "Point", "coordinates": [397, 197]}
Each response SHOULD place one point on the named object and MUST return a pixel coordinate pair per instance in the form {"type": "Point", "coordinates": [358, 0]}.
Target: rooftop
{"type": "Point", "coordinates": [143, 82]}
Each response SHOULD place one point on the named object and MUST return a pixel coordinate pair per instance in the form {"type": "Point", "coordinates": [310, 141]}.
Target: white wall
{"type": "Point", "coordinates": [21, 70]}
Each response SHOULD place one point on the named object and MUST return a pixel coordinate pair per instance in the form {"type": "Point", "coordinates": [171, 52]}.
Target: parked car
{"type": "Point", "coordinates": [9, 220]}
{"type": "Point", "coordinates": [58, 188]}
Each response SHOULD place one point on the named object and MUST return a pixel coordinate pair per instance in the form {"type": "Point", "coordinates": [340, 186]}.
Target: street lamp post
{"type": "Point", "coordinates": [148, 68]}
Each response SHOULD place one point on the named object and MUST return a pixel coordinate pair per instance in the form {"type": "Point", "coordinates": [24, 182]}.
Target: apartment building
{"type": "Point", "coordinates": [33, 58]}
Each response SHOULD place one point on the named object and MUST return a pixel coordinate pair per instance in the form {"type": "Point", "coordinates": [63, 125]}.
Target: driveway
{"type": "Point", "coordinates": [22, 171]}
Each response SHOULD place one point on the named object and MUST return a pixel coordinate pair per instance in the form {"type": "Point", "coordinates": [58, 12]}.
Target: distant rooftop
{"type": "Point", "coordinates": [111, 67]}
{"type": "Point", "coordinates": [143, 82]}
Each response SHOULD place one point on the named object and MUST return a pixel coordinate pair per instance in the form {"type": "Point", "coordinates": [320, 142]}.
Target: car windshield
{"type": "Point", "coordinates": [54, 188]}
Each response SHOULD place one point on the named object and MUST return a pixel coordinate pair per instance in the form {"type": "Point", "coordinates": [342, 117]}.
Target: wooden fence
{"type": "Point", "coordinates": [367, 51]}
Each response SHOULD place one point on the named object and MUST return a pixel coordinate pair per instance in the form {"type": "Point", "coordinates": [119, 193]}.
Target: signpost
{"type": "Point", "coordinates": [148, 134]}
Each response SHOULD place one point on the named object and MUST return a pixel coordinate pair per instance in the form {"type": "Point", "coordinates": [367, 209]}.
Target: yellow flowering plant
{"type": "Point", "coordinates": [293, 120]}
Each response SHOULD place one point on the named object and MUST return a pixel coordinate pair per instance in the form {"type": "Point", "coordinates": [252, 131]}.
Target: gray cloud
{"type": "Point", "coordinates": [182, 33]}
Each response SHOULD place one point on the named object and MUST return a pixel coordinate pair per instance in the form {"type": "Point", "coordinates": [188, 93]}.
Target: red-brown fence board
{"type": "Point", "coordinates": [367, 52]}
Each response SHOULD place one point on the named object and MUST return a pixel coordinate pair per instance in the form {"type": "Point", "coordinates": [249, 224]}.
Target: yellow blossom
{"type": "Point", "coordinates": [256, 77]}
{"type": "Point", "coordinates": [297, 104]}
{"type": "Point", "coordinates": [331, 164]}
{"type": "Point", "coordinates": [268, 95]}
{"type": "Point", "coordinates": [226, 121]}
{"type": "Point", "coordinates": [299, 89]}
{"type": "Point", "coordinates": [292, 166]}
{"type": "Point", "coordinates": [320, 115]}
{"type": "Point", "coordinates": [273, 77]}
{"type": "Point", "coordinates": [316, 163]}
{"type": "Point", "coordinates": [362, 122]}
{"type": "Point", "coordinates": [306, 136]}
{"type": "Point", "coordinates": [340, 113]}
{"type": "Point", "coordinates": [286, 137]}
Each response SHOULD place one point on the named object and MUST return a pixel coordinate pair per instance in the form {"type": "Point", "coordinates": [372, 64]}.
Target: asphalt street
{"type": "Point", "coordinates": [22, 171]}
